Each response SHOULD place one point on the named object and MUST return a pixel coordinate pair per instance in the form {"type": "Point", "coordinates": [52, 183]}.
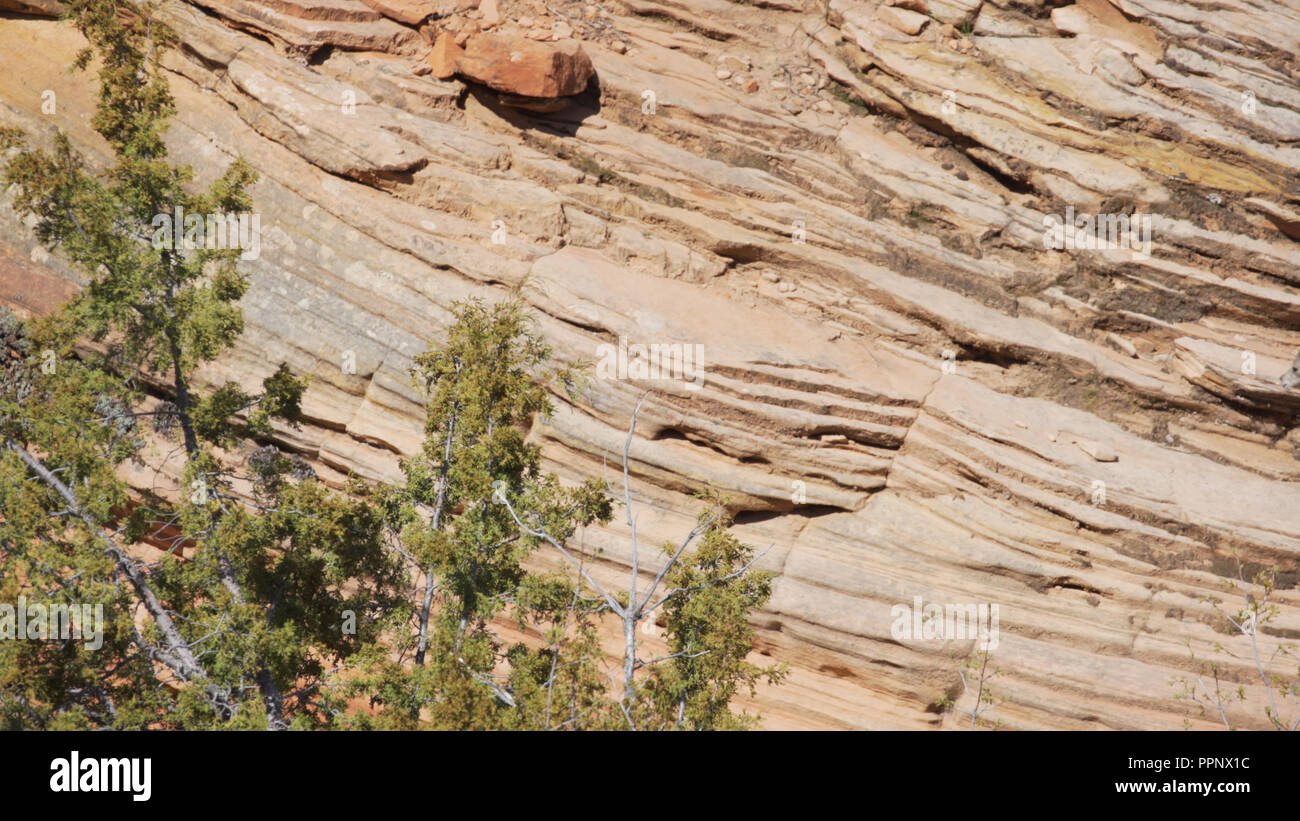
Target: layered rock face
{"type": "Point", "coordinates": [908, 373]}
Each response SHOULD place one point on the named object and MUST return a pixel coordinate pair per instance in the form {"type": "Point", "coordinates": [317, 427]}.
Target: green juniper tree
{"type": "Point", "coordinates": [476, 505]}
{"type": "Point", "coordinates": [483, 388]}
{"type": "Point", "coordinates": [709, 597]}
{"type": "Point", "coordinates": [242, 616]}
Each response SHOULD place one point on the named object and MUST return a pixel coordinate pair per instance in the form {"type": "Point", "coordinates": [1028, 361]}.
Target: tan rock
{"type": "Point", "coordinates": [442, 60]}
{"type": "Point", "coordinates": [1286, 220]}
{"type": "Point", "coordinates": [1000, 24]}
{"type": "Point", "coordinates": [410, 12]}
{"type": "Point", "coordinates": [44, 8]}
{"type": "Point", "coordinates": [491, 13]}
{"type": "Point", "coordinates": [1121, 344]}
{"type": "Point", "coordinates": [332, 10]}
{"type": "Point", "coordinates": [953, 11]}
{"type": "Point", "coordinates": [733, 64]}
{"type": "Point", "coordinates": [1100, 451]}
{"type": "Point", "coordinates": [1072, 20]}
{"type": "Point", "coordinates": [303, 30]}
{"type": "Point", "coordinates": [908, 22]}
{"type": "Point", "coordinates": [1291, 378]}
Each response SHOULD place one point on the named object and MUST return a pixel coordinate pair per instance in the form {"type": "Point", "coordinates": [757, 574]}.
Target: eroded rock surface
{"type": "Point", "coordinates": [905, 390]}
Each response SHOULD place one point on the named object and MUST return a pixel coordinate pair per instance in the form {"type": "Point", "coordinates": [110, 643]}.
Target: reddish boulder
{"type": "Point", "coordinates": [516, 65]}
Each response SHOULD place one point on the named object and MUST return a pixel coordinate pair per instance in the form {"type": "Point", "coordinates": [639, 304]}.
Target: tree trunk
{"type": "Point", "coordinates": [425, 608]}
{"type": "Point", "coordinates": [178, 656]}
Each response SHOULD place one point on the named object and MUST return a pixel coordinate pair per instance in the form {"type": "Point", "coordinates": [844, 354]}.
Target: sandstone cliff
{"type": "Point", "coordinates": [904, 391]}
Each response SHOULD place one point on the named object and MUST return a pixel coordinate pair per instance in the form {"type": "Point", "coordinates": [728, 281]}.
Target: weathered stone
{"type": "Point", "coordinates": [908, 22]}
{"type": "Point", "coordinates": [1122, 345]}
{"type": "Point", "coordinates": [1291, 379]}
{"type": "Point", "coordinates": [1072, 20]}
{"type": "Point", "coordinates": [1100, 451]}
{"type": "Point", "coordinates": [442, 60]}
{"type": "Point", "coordinates": [44, 8]}
{"type": "Point", "coordinates": [346, 24]}
{"type": "Point", "coordinates": [410, 12]}
{"type": "Point", "coordinates": [518, 66]}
